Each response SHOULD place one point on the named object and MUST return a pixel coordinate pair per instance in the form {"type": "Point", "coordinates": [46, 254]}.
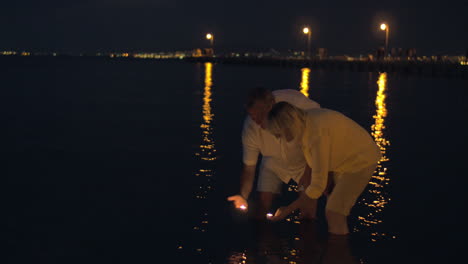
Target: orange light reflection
{"type": "Point", "coordinates": [305, 81]}
{"type": "Point", "coordinates": [380, 179]}
{"type": "Point", "coordinates": [207, 147]}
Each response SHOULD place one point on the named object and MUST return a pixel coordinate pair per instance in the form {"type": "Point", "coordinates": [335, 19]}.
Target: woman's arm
{"type": "Point", "coordinates": [319, 160]}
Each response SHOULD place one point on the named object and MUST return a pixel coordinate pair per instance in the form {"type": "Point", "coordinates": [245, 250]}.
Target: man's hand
{"type": "Point", "coordinates": [239, 202]}
{"type": "Point", "coordinates": [309, 207]}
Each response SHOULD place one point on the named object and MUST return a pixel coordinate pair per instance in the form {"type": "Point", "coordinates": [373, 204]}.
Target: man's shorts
{"type": "Point", "coordinates": [268, 181]}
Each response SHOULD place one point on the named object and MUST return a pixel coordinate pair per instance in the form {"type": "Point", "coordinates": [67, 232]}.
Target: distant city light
{"type": "Point", "coordinates": [209, 36]}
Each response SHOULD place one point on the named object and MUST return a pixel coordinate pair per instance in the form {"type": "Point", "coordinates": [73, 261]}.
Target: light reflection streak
{"type": "Point", "coordinates": [207, 155]}
{"type": "Point", "coordinates": [305, 81]}
{"type": "Point", "coordinates": [378, 198]}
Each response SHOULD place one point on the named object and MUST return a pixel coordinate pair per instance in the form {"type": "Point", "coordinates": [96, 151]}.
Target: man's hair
{"type": "Point", "coordinates": [284, 116]}
{"type": "Point", "coordinates": [258, 94]}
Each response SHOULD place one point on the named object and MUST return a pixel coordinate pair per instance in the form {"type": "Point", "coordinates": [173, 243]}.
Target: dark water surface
{"type": "Point", "coordinates": [130, 161]}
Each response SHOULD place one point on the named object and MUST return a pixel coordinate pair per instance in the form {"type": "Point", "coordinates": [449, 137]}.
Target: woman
{"type": "Point", "coordinates": [331, 142]}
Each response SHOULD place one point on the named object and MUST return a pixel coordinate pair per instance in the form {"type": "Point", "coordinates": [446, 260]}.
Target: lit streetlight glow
{"type": "Point", "coordinates": [210, 37]}
{"type": "Point", "coordinates": [384, 27]}
{"type": "Point", "coordinates": [308, 32]}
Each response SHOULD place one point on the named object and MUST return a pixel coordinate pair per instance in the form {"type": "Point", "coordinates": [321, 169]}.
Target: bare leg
{"type": "Point", "coordinates": [343, 197]}
{"type": "Point", "coordinates": [337, 223]}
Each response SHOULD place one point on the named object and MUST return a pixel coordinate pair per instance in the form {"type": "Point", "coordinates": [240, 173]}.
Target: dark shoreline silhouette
{"type": "Point", "coordinates": [435, 69]}
{"type": "Point", "coordinates": [410, 67]}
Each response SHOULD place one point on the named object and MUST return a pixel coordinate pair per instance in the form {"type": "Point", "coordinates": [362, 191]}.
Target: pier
{"type": "Point", "coordinates": [439, 69]}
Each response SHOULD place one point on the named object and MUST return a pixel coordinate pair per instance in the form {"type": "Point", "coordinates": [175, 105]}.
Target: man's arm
{"type": "Point", "coordinates": [246, 180]}
{"type": "Point", "coordinates": [246, 183]}
{"type": "Point", "coordinates": [250, 156]}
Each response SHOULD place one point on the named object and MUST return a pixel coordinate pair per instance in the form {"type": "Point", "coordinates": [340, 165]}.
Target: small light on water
{"type": "Point", "coordinates": [243, 207]}
{"type": "Point", "coordinates": [269, 215]}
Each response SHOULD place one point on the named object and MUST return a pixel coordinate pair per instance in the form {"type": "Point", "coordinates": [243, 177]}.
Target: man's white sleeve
{"type": "Point", "coordinates": [250, 141]}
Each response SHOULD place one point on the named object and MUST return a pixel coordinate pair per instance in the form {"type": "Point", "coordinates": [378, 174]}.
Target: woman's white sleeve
{"type": "Point", "coordinates": [320, 163]}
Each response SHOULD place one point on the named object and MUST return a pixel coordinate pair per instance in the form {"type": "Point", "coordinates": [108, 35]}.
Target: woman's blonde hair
{"type": "Point", "coordinates": [285, 116]}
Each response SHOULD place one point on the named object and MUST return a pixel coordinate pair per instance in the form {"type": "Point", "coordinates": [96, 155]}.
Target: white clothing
{"type": "Point", "coordinates": [268, 180]}
{"type": "Point", "coordinates": [348, 189]}
{"type": "Point", "coordinates": [333, 142]}
{"type": "Point", "coordinates": [285, 159]}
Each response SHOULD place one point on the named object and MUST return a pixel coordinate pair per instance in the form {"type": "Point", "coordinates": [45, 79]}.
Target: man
{"type": "Point", "coordinates": [281, 160]}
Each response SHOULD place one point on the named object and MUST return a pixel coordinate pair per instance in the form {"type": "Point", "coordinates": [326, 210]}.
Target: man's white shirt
{"type": "Point", "coordinates": [284, 158]}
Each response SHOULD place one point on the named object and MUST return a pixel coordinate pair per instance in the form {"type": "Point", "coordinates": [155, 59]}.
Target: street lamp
{"type": "Point", "coordinates": [385, 28]}
{"type": "Point", "coordinates": [210, 37]}
{"type": "Point", "coordinates": [308, 32]}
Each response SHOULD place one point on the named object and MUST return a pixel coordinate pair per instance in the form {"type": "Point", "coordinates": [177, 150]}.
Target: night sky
{"type": "Point", "coordinates": [342, 26]}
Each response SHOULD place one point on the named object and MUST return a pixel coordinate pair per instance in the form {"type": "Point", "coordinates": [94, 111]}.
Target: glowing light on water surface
{"type": "Point", "coordinates": [305, 81]}
{"type": "Point", "coordinates": [207, 152]}
{"type": "Point", "coordinates": [380, 179]}
{"type": "Point", "coordinates": [207, 147]}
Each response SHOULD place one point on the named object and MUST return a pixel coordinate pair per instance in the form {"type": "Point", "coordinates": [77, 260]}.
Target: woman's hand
{"type": "Point", "coordinates": [307, 206]}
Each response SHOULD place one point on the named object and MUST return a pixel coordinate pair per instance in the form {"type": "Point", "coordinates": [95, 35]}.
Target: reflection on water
{"type": "Point", "coordinates": [237, 258]}
{"type": "Point", "coordinates": [207, 148]}
{"type": "Point", "coordinates": [289, 243]}
{"type": "Point", "coordinates": [293, 241]}
{"type": "Point", "coordinates": [207, 155]}
{"type": "Point", "coordinates": [305, 81]}
{"type": "Point", "coordinates": [377, 197]}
